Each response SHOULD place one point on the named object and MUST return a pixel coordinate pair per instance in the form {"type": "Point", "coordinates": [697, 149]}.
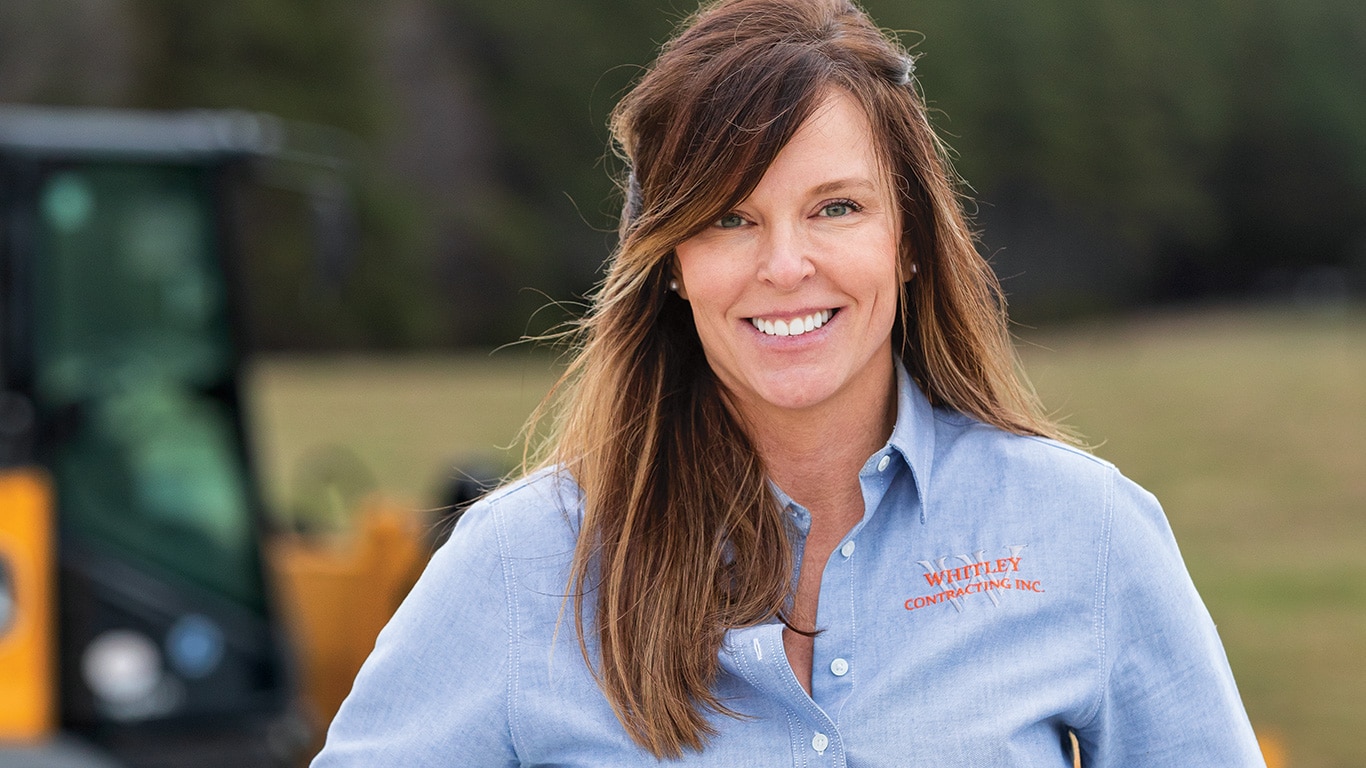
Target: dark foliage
{"type": "Point", "coordinates": [1119, 153]}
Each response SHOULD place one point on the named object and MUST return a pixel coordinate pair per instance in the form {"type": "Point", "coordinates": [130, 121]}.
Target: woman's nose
{"type": "Point", "coordinates": [785, 259]}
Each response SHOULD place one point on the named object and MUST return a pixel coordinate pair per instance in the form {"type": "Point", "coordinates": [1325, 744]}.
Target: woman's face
{"type": "Point", "coordinates": [794, 293]}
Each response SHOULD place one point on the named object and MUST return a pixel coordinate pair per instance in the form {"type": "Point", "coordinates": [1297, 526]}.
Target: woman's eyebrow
{"type": "Point", "coordinates": [855, 183]}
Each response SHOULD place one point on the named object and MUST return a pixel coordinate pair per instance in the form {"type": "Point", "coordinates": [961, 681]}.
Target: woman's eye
{"type": "Point", "coordinates": [839, 208]}
{"type": "Point", "coordinates": [730, 221]}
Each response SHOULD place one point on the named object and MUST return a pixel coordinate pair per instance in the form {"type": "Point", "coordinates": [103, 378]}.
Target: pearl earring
{"type": "Point", "coordinates": [673, 286]}
{"type": "Point", "coordinates": [914, 268]}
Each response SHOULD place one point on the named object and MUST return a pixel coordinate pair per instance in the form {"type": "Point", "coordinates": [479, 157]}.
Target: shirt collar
{"type": "Point", "coordinates": [913, 434]}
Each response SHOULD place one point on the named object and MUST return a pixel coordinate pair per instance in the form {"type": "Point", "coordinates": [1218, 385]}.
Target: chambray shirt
{"type": "Point", "coordinates": [999, 591]}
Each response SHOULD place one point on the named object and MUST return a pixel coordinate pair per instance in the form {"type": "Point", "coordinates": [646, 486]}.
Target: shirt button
{"type": "Point", "coordinates": [883, 462]}
{"type": "Point", "coordinates": [839, 667]}
{"type": "Point", "coordinates": [819, 742]}
{"type": "Point", "coordinates": [847, 549]}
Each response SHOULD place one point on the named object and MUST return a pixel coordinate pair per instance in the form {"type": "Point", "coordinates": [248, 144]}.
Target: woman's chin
{"type": "Point", "coordinates": [790, 393]}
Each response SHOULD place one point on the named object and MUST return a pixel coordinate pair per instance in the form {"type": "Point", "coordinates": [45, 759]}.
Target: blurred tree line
{"type": "Point", "coordinates": [1118, 153]}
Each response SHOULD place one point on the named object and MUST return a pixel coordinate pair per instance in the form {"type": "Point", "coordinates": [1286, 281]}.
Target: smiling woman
{"type": "Point", "coordinates": [800, 507]}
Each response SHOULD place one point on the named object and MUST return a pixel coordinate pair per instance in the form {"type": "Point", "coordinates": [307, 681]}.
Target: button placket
{"type": "Point", "coordinates": [839, 667]}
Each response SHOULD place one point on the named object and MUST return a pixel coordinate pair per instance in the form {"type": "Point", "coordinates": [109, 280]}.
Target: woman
{"type": "Point", "coordinates": [800, 507]}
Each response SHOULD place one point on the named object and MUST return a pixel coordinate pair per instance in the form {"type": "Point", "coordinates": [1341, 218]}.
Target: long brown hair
{"type": "Point", "coordinates": [681, 537]}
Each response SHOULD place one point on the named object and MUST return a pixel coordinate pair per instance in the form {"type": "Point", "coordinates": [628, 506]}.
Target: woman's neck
{"type": "Point", "coordinates": [815, 454]}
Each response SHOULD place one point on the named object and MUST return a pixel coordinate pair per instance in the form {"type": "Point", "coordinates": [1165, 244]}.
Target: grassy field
{"type": "Point", "coordinates": [1250, 426]}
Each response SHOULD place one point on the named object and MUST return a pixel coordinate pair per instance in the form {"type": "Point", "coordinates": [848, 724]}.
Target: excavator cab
{"type": "Point", "coordinates": [120, 403]}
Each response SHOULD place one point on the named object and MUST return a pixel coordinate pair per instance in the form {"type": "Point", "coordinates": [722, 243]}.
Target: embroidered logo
{"type": "Point", "coordinates": [956, 577]}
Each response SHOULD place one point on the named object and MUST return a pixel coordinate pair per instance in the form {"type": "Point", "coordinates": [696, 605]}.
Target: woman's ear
{"type": "Point", "coordinates": [908, 268]}
{"type": "Point", "coordinates": [676, 283]}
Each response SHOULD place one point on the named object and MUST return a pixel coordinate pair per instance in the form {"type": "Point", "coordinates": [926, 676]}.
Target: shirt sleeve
{"type": "Point", "coordinates": [1167, 696]}
{"type": "Point", "coordinates": [434, 692]}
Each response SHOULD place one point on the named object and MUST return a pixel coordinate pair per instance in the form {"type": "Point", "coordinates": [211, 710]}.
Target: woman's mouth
{"type": "Point", "coordinates": [792, 326]}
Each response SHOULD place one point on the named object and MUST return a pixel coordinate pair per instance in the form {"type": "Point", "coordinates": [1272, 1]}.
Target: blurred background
{"type": "Point", "coordinates": [1173, 193]}
{"type": "Point", "coordinates": [1123, 155]}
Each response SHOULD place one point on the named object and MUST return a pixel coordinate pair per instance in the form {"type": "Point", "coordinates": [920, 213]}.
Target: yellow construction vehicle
{"type": "Point", "coordinates": [138, 622]}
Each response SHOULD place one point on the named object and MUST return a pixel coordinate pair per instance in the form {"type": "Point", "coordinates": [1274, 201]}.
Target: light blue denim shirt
{"type": "Point", "coordinates": [998, 591]}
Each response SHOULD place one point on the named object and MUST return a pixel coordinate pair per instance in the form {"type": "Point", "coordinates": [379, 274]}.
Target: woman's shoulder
{"type": "Point", "coordinates": [964, 437]}
{"type": "Point", "coordinates": [539, 511]}
{"type": "Point", "coordinates": [548, 490]}
{"type": "Point", "coordinates": [1053, 473]}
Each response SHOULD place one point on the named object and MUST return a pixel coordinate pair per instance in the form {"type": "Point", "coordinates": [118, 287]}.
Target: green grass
{"type": "Point", "coordinates": [1250, 426]}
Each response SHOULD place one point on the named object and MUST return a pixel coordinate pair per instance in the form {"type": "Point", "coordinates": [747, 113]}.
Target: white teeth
{"type": "Point", "coordinates": [795, 326]}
